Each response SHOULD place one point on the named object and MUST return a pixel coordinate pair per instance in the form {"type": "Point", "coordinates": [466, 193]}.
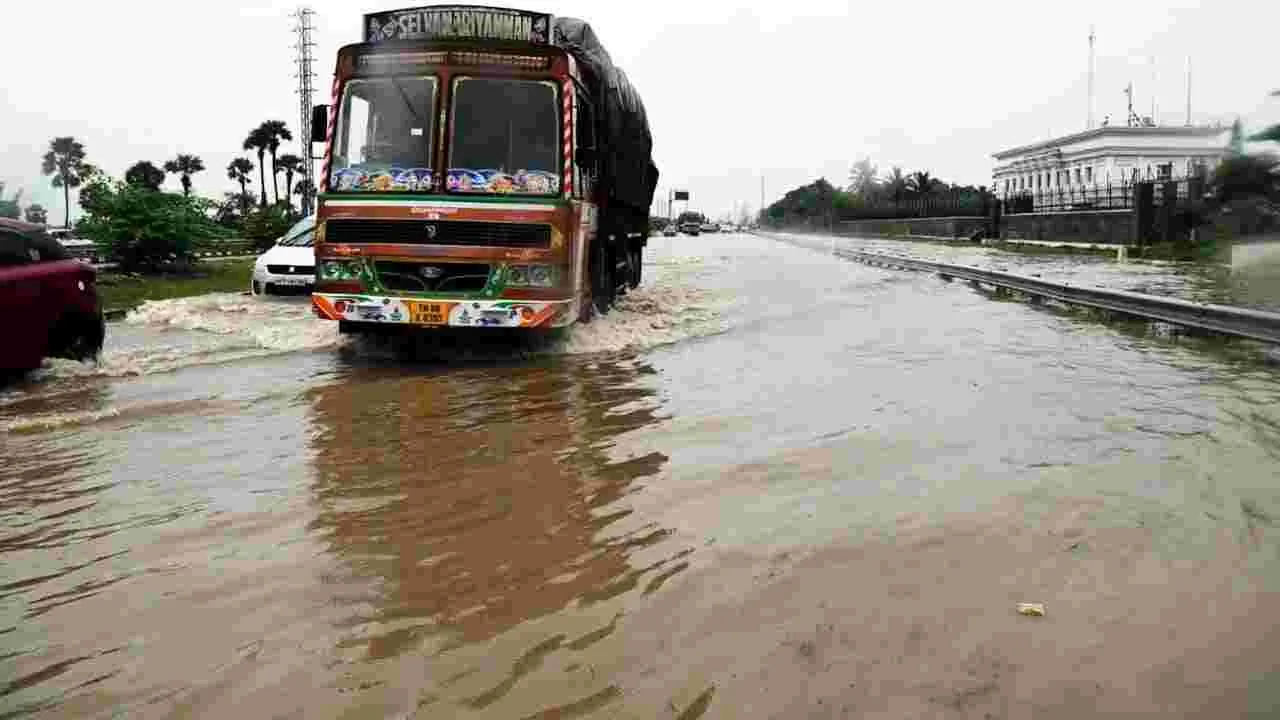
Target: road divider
{"type": "Point", "coordinates": [1221, 319]}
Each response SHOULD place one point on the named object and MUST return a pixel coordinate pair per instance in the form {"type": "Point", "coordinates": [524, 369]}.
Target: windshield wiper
{"type": "Point", "coordinates": [407, 103]}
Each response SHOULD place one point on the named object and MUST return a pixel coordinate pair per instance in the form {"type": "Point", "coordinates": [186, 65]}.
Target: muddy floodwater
{"type": "Point", "coordinates": [772, 484]}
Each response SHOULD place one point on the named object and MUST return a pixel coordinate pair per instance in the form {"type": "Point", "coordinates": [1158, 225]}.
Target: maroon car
{"type": "Point", "coordinates": [50, 300]}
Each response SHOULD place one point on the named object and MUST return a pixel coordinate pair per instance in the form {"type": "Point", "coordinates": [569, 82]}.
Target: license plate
{"type": "Point", "coordinates": [292, 281]}
{"type": "Point", "coordinates": [428, 313]}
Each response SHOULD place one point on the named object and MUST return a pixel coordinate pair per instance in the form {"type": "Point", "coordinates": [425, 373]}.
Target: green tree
{"type": "Point", "coordinates": [65, 162]}
{"type": "Point", "coordinates": [1242, 176]}
{"type": "Point", "coordinates": [9, 208]}
{"type": "Point", "coordinates": [895, 184]}
{"type": "Point", "coordinates": [863, 178]}
{"type": "Point", "coordinates": [240, 171]}
{"type": "Point", "coordinates": [184, 166]}
{"type": "Point", "coordinates": [37, 214]}
{"type": "Point", "coordinates": [145, 175]}
{"type": "Point", "coordinates": [144, 230]}
{"type": "Point", "coordinates": [275, 132]}
{"type": "Point", "coordinates": [257, 140]}
{"type": "Point", "coordinates": [691, 216]}
{"type": "Point", "coordinates": [921, 183]}
{"type": "Point", "coordinates": [291, 165]}
{"type": "Point", "coordinates": [264, 225]}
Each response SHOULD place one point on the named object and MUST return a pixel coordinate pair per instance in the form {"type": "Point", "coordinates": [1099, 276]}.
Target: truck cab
{"type": "Point", "coordinates": [466, 180]}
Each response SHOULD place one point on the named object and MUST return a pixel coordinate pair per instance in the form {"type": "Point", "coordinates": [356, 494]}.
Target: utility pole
{"type": "Point", "coordinates": [305, 75]}
{"type": "Point", "coordinates": [1089, 124]}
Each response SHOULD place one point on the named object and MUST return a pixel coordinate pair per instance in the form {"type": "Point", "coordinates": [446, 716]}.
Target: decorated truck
{"type": "Point", "coordinates": [483, 167]}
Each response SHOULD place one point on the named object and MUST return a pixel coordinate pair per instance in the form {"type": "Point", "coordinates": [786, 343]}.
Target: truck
{"type": "Point", "coordinates": [483, 168]}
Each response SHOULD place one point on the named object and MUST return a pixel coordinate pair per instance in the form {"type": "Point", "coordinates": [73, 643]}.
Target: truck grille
{"type": "Point", "coordinates": [453, 277]}
{"type": "Point", "coordinates": [439, 232]}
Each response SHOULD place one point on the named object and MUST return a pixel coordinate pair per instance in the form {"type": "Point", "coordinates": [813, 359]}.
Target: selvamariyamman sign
{"type": "Point", "coordinates": [458, 22]}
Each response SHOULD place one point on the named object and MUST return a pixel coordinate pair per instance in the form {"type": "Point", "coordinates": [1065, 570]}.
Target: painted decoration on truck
{"type": "Point", "coordinates": [390, 179]}
{"type": "Point", "coordinates": [521, 182]}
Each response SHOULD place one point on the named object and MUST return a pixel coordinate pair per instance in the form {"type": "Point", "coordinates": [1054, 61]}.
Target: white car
{"type": "Point", "coordinates": [290, 265]}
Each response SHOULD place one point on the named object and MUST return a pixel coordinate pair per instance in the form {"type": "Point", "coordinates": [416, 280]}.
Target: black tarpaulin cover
{"type": "Point", "coordinates": [625, 142]}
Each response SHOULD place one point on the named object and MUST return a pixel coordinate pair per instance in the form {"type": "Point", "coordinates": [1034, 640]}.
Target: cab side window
{"type": "Point", "coordinates": [586, 136]}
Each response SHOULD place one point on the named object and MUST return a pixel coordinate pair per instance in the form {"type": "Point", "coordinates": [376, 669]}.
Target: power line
{"type": "Point", "coordinates": [305, 62]}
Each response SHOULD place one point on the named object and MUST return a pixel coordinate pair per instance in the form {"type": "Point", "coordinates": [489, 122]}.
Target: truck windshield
{"type": "Point", "coordinates": [506, 135]}
{"type": "Point", "coordinates": [384, 135]}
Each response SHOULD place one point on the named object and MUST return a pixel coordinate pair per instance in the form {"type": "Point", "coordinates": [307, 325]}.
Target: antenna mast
{"type": "Point", "coordinates": [1188, 91]}
{"type": "Point", "coordinates": [1134, 120]}
{"type": "Point", "coordinates": [305, 75]}
{"type": "Point", "coordinates": [1153, 89]}
{"type": "Point", "coordinates": [1089, 123]}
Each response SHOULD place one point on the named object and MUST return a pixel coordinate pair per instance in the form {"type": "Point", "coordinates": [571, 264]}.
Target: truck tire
{"type": "Point", "coordinates": [636, 264]}
{"type": "Point", "coordinates": [603, 287]}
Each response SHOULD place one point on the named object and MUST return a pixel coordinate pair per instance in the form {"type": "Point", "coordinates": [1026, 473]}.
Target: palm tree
{"type": "Point", "coordinates": [275, 131]}
{"type": "Point", "coordinates": [921, 183]}
{"type": "Point", "coordinates": [239, 170]}
{"type": "Point", "coordinates": [895, 184]}
{"type": "Point", "coordinates": [144, 174]}
{"type": "Point", "coordinates": [184, 166]}
{"type": "Point", "coordinates": [291, 165]}
{"type": "Point", "coordinates": [258, 140]}
{"type": "Point", "coordinates": [65, 162]}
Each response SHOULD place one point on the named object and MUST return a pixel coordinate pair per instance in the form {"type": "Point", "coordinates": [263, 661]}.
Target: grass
{"type": "Point", "coordinates": [121, 293]}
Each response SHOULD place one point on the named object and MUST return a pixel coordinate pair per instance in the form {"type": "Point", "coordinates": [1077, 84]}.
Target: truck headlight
{"type": "Point", "coordinates": [338, 270]}
{"type": "Point", "coordinates": [538, 276]}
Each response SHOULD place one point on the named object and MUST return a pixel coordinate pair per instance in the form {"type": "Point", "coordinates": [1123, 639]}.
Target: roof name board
{"type": "Point", "coordinates": [458, 22]}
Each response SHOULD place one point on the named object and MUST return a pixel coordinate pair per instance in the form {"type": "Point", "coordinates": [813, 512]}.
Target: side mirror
{"type": "Point", "coordinates": [319, 123]}
{"type": "Point", "coordinates": [585, 156]}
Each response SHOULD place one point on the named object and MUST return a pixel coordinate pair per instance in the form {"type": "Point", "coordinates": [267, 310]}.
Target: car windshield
{"type": "Point", "coordinates": [301, 234]}
{"type": "Point", "coordinates": [505, 137]}
{"type": "Point", "coordinates": [383, 138]}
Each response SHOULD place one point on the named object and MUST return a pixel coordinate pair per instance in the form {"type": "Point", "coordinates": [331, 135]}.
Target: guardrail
{"type": "Point", "coordinates": [1222, 319]}
{"type": "Point", "coordinates": [219, 248]}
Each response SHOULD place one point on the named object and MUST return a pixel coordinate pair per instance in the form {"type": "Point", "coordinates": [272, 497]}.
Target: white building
{"type": "Point", "coordinates": [1107, 155]}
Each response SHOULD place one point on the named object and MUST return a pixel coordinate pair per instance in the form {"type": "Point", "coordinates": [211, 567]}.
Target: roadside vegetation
{"type": "Point", "coordinates": [121, 292]}
{"type": "Point", "coordinates": [147, 231]}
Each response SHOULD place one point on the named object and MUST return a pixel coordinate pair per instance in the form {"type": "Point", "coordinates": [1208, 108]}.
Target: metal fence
{"type": "Point", "coordinates": [940, 204]}
{"type": "Point", "coordinates": [1108, 196]}
{"type": "Point", "coordinates": [1111, 194]}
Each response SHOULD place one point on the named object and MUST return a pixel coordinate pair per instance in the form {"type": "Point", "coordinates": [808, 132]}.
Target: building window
{"type": "Point", "coordinates": [1088, 174]}
{"type": "Point", "coordinates": [1077, 176]}
{"type": "Point", "coordinates": [1165, 171]}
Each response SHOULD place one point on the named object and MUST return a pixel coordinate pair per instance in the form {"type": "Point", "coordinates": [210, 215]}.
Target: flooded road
{"type": "Point", "coordinates": [771, 484]}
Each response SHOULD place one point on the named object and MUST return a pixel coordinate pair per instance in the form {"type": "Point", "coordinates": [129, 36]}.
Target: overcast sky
{"type": "Point", "coordinates": [788, 91]}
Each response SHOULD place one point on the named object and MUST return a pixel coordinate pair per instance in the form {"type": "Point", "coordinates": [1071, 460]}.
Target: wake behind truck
{"type": "Point", "coordinates": [483, 167]}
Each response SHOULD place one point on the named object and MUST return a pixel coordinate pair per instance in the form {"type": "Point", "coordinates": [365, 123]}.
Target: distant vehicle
{"type": "Point", "coordinates": [50, 299]}
{"type": "Point", "coordinates": [669, 230]}
{"type": "Point", "coordinates": [290, 265]}
{"type": "Point", "coordinates": [80, 248]}
{"type": "Point", "coordinates": [691, 228]}
{"type": "Point", "coordinates": [710, 227]}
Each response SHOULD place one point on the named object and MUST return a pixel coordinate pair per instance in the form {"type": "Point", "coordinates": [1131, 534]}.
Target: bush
{"type": "Point", "coordinates": [144, 230]}
{"type": "Point", "coordinates": [265, 225]}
